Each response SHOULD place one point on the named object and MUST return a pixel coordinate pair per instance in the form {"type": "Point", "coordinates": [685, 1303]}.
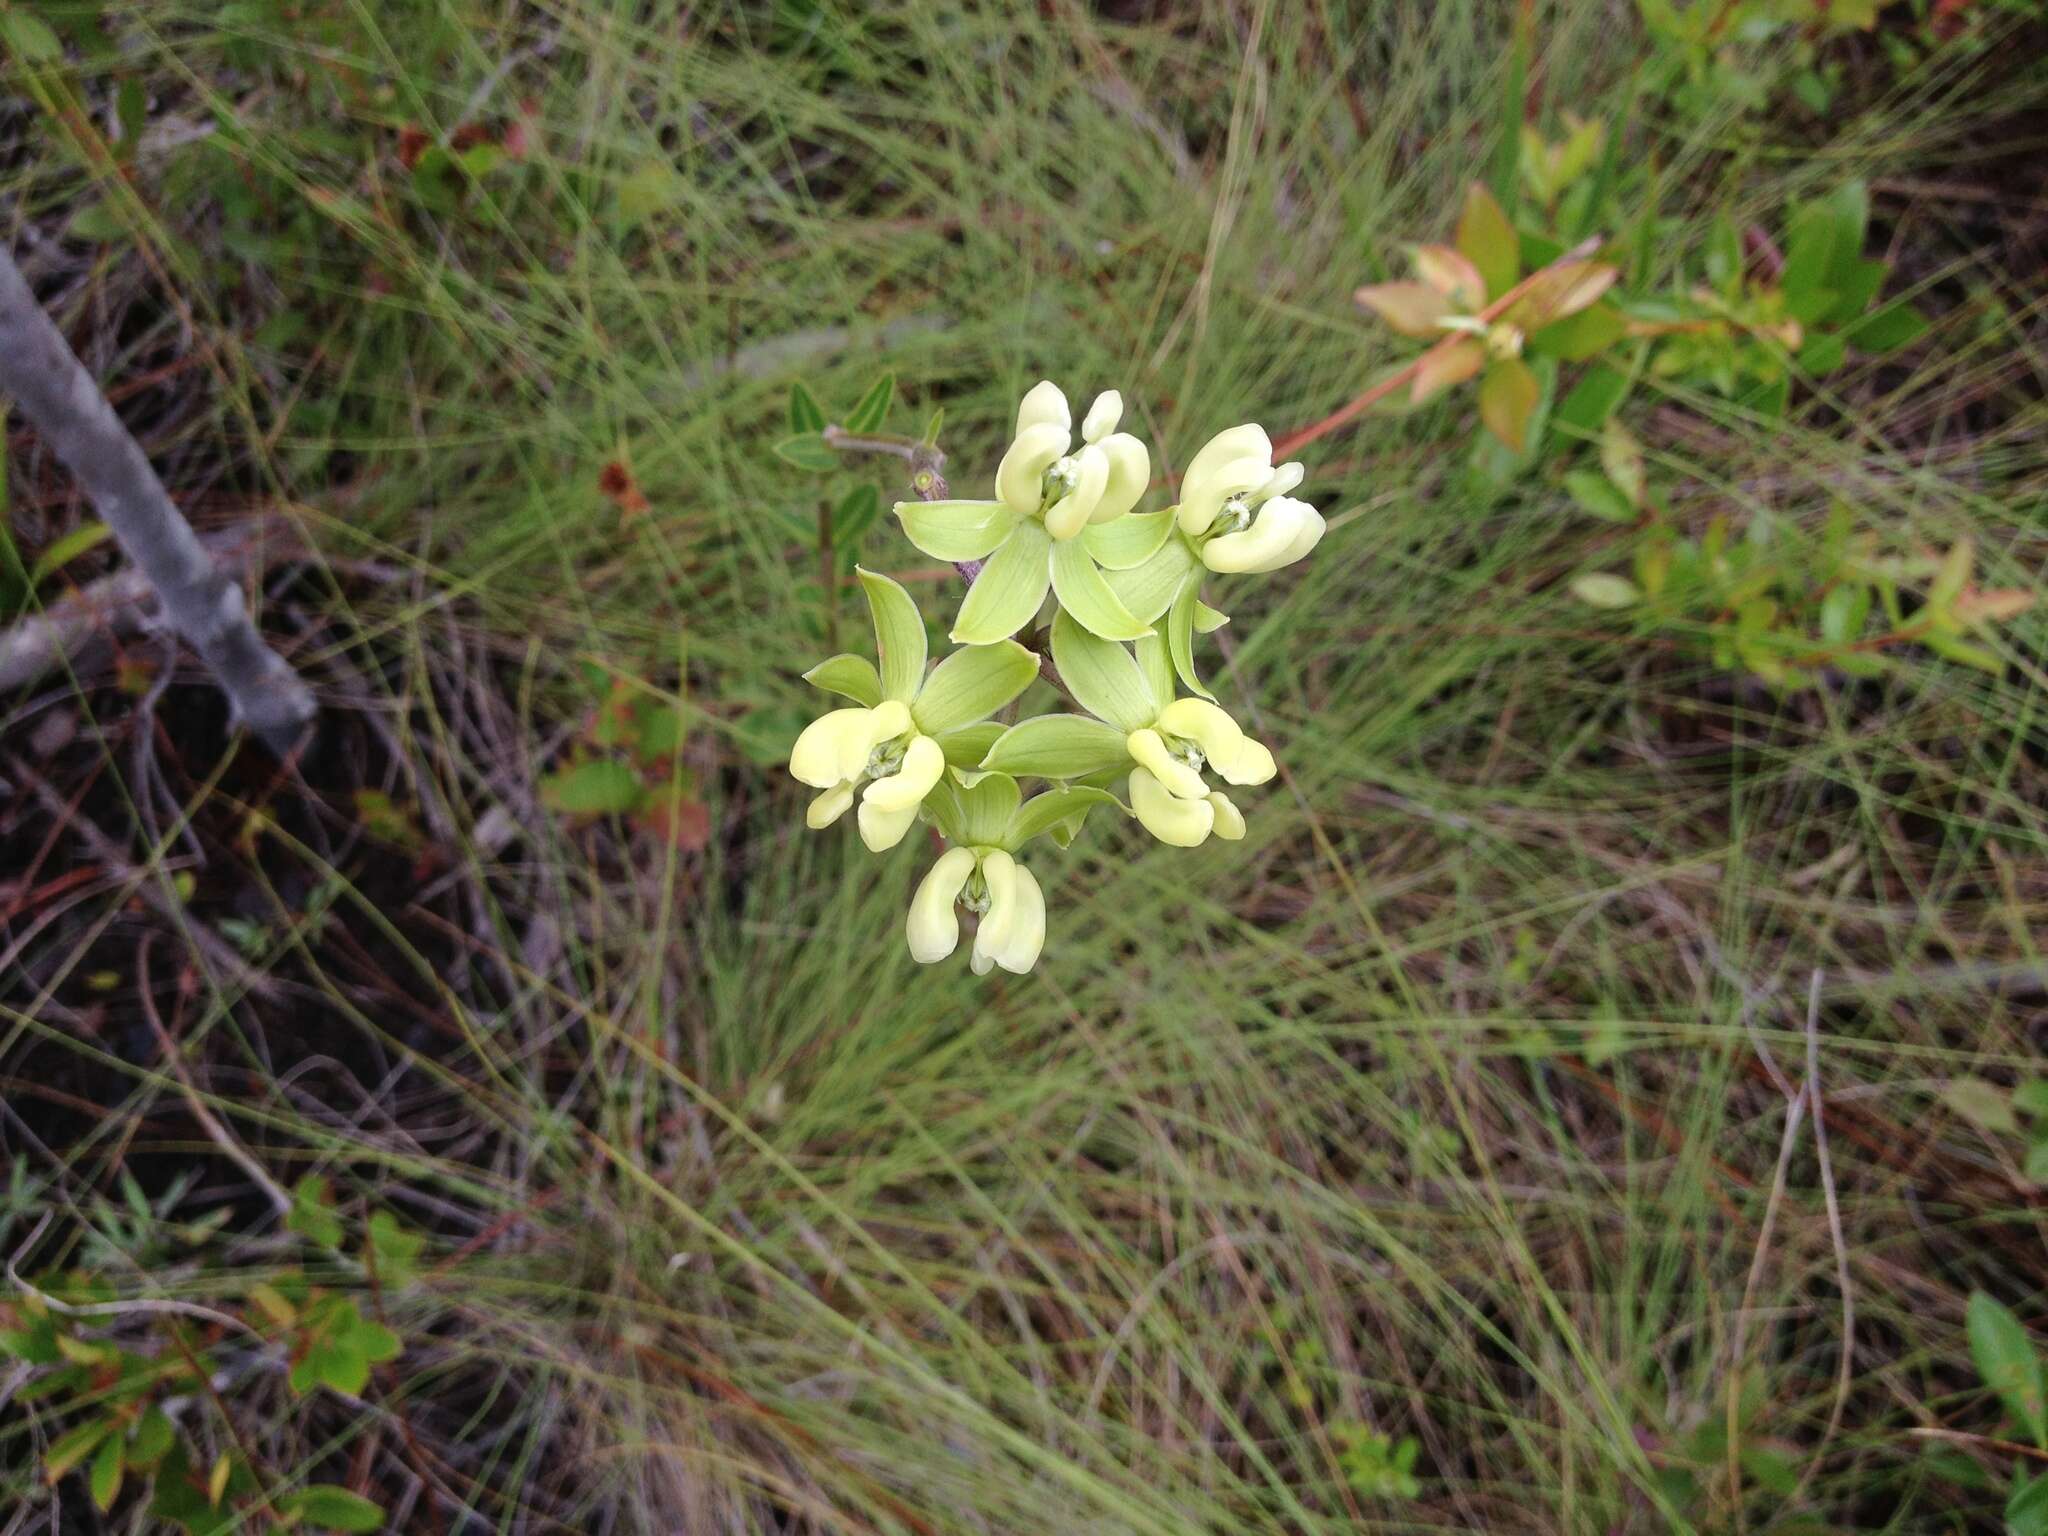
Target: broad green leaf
{"type": "Point", "coordinates": [2031, 1097]}
{"type": "Point", "coordinates": [1854, 289]}
{"type": "Point", "coordinates": [644, 191]}
{"type": "Point", "coordinates": [971, 685]}
{"type": "Point", "coordinates": [377, 1342]}
{"type": "Point", "coordinates": [807, 450]}
{"type": "Point", "coordinates": [1985, 1105]}
{"type": "Point", "coordinates": [1724, 253]}
{"type": "Point", "coordinates": [1102, 676]}
{"type": "Point", "coordinates": [1598, 589]}
{"type": "Point", "coordinates": [1085, 594]}
{"type": "Point", "coordinates": [1129, 541]}
{"type": "Point", "coordinates": [1009, 590]}
{"type": "Point", "coordinates": [805, 414]}
{"type": "Point", "coordinates": [1559, 292]}
{"type": "Point", "coordinates": [86, 536]}
{"type": "Point", "coordinates": [966, 747]}
{"type": "Point", "coordinates": [1058, 747]}
{"type": "Point", "coordinates": [1848, 208]}
{"type": "Point", "coordinates": [1591, 401]}
{"type": "Point", "coordinates": [873, 407]}
{"type": "Point", "coordinates": [1843, 613]}
{"type": "Point", "coordinates": [1951, 649]}
{"type": "Point", "coordinates": [106, 1473]}
{"type": "Point", "coordinates": [1621, 456]}
{"type": "Point", "coordinates": [599, 787]}
{"type": "Point", "coordinates": [1508, 397]}
{"type": "Point", "coordinates": [339, 1363]}
{"type": "Point", "coordinates": [1599, 495]}
{"type": "Point", "coordinates": [2005, 1358]}
{"type": "Point", "coordinates": [899, 636]}
{"type": "Point", "coordinates": [153, 1436]}
{"type": "Point", "coordinates": [326, 1507]}
{"type": "Point", "coordinates": [1890, 328]}
{"type": "Point", "coordinates": [1809, 257]}
{"type": "Point", "coordinates": [1050, 808]}
{"type": "Point", "coordinates": [1489, 241]}
{"type": "Point", "coordinates": [1146, 591]}
{"type": "Point", "coordinates": [2026, 1510]}
{"type": "Point", "coordinates": [1180, 634]}
{"type": "Point", "coordinates": [1823, 353]}
{"type": "Point", "coordinates": [1577, 337]}
{"type": "Point", "coordinates": [99, 224]}
{"type": "Point", "coordinates": [849, 676]}
{"type": "Point", "coordinates": [956, 530]}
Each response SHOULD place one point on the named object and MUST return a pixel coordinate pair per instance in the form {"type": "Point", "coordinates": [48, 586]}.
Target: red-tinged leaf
{"type": "Point", "coordinates": [1444, 366]}
{"type": "Point", "coordinates": [1413, 309]}
{"type": "Point", "coordinates": [623, 491]}
{"type": "Point", "coordinates": [1979, 606]}
{"type": "Point", "coordinates": [686, 823]}
{"type": "Point", "coordinates": [1452, 274]}
{"type": "Point", "coordinates": [1560, 291]}
{"type": "Point", "coordinates": [1508, 397]}
{"type": "Point", "coordinates": [1489, 240]}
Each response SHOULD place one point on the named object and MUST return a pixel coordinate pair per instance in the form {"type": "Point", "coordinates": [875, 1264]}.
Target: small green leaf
{"type": "Point", "coordinates": [2026, 1510]}
{"type": "Point", "coordinates": [106, 1473]}
{"type": "Point", "coordinates": [1102, 676]}
{"type": "Point", "coordinates": [646, 190]}
{"type": "Point", "coordinates": [1598, 589]}
{"type": "Point", "coordinates": [849, 676]}
{"type": "Point", "coordinates": [1888, 329]}
{"type": "Point", "coordinates": [1489, 241]}
{"type": "Point", "coordinates": [1508, 397]}
{"type": "Point", "coordinates": [86, 536]}
{"type": "Point", "coordinates": [808, 450]}
{"type": "Point", "coordinates": [873, 407]}
{"type": "Point", "coordinates": [971, 685]}
{"type": "Point", "coordinates": [375, 1342]}
{"type": "Point", "coordinates": [1823, 353]}
{"type": "Point", "coordinates": [1577, 337]}
{"type": "Point", "coordinates": [1591, 401]}
{"type": "Point", "coordinates": [1051, 808]}
{"type": "Point", "coordinates": [312, 1213]}
{"type": "Point", "coordinates": [1843, 612]}
{"type": "Point", "coordinates": [1009, 590]}
{"type": "Point", "coordinates": [899, 636]}
{"type": "Point", "coordinates": [74, 1445]}
{"type": "Point", "coordinates": [2037, 1161]}
{"type": "Point", "coordinates": [153, 1436]}
{"type": "Point", "coordinates": [805, 415]}
{"type": "Point", "coordinates": [1058, 747]}
{"type": "Point", "coordinates": [335, 1509]}
{"type": "Point", "coordinates": [956, 530]}
{"type": "Point", "coordinates": [2005, 1358]}
{"type": "Point", "coordinates": [596, 788]}
{"type": "Point", "coordinates": [2031, 1097]}
{"type": "Point", "coordinates": [29, 37]}
{"type": "Point", "coordinates": [1126, 542]}
{"type": "Point", "coordinates": [1599, 495]}
{"type": "Point", "coordinates": [393, 1250]}
{"type": "Point", "coordinates": [1809, 257]}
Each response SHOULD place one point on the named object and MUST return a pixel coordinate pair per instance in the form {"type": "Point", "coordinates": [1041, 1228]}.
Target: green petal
{"type": "Point", "coordinates": [1130, 540]}
{"type": "Point", "coordinates": [1207, 619]}
{"type": "Point", "coordinates": [1156, 662]}
{"type": "Point", "coordinates": [1180, 634]}
{"type": "Point", "coordinates": [956, 530]}
{"type": "Point", "coordinates": [1009, 589]}
{"type": "Point", "coordinates": [966, 747]}
{"type": "Point", "coordinates": [972, 684]}
{"type": "Point", "coordinates": [849, 676]}
{"type": "Point", "coordinates": [1147, 590]}
{"type": "Point", "coordinates": [899, 636]}
{"type": "Point", "coordinates": [986, 808]}
{"type": "Point", "coordinates": [1059, 747]}
{"type": "Point", "coordinates": [1085, 593]}
{"type": "Point", "coordinates": [1101, 676]}
{"type": "Point", "coordinates": [1043, 812]}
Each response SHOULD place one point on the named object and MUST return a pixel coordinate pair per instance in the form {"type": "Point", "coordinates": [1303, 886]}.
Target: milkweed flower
{"type": "Point", "coordinates": [1169, 796]}
{"type": "Point", "coordinates": [987, 881]}
{"type": "Point", "coordinates": [1047, 493]}
{"type": "Point", "coordinates": [1234, 504]}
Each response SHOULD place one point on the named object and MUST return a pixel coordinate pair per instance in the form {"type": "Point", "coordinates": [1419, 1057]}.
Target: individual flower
{"type": "Point", "coordinates": [1047, 493]}
{"type": "Point", "coordinates": [1164, 746]}
{"type": "Point", "coordinates": [1235, 507]}
{"type": "Point", "coordinates": [988, 821]}
{"type": "Point", "coordinates": [891, 750]}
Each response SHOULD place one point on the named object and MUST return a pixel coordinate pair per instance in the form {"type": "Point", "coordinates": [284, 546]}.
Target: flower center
{"type": "Point", "coordinates": [1060, 479]}
{"type": "Point", "coordinates": [888, 757]}
{"type": "Point", "coordinates": [1183, 750]}
{"type": "Point", "coordinates": [1235, 517]}
{"type": "Point", "coordinates": [974, 894]}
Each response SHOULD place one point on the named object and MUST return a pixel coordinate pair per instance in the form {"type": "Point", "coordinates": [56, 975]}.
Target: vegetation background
{"type": "Point", "coordinates": [1461, 1104]}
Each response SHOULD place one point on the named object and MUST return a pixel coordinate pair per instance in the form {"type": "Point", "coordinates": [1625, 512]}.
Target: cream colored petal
{"type": "Point", "coordinates": [1148, 750]}
{"type": "Point", "coordinates": [882, 830]}
{"type": "Point", "coordinates": [1027, 928]}
{"type": "Point", "coordinates": [821, 752]}
{"type": "Point", "coordinates": [933, 927]}
{"type": "Point", "coordinates": [1229, 464]}
{"type": "Point", "coordinates": [923, 762]}
{"type": "Point", "coordinates": [1044, 402]}
{"type": "Point", "coordinates": [1207, 725]}
{"type": "Point", "coordinates": [828, 807]}
{"type": "Point", "coordinates": [1071, 513]}
{"type": "Point", "coordinates": [1020, 478]}
{"type": "Point", "coordinates": [1253, 764]}
{"type": "Point", "coordinates": [1229, 819]}
{"type": "Point", "coordinates": [999, 873]}
{"type": "Point", "coordinates": [1182, 823]}
{"type": "Point", "coordinates": [1102, 416]}
{"type": "Point", "coordinates": [1283, 531]}
{"type": "Point", "coordinates": [1130, 474]}
{"type": "Point", "coordinates": [1281, 483]}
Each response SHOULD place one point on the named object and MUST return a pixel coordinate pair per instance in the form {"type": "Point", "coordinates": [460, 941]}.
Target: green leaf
{"type": "Point", "coordinates": [106, 1473]}
{"type": "Point", "coordinates": [2037, 1161]}
{"type": "Point", "coordinates": [1854, 289]}
{"type": "Point", "coordinates": [1085, 594]}
{"type": "Point", "coordinates": [899, 636]}
{"type": "Point", "coordinates": [2006, 1360]}
{"type": "Point", "coordinates": [1009, 590]}
{"type": "Point", "coordinates": [29, 37]}
{"type": "Point", "coordinates": [805, 414]}
{"type": "Point", "coordinates": [1489, 241]}
{"type": "Point", "coordinates": [1950, 648]}
{"type": "Point", "coordinates": [153, 1436]}
{"type": "Point", "coordinates": [1598, 589]}
{"type": "Point", "coordinates": [873, 407]}
{"type": "Point", "coordinates": [335, 1509]}
{"type": "Point", "coordinates": [1591, 401]}
{"type": "Point", "coordinates": [1599, 495]}
{"type": "Point", "coordinates": [1051, 808]}
{"type": "Point", "coordinates": [956, 530]}
{"type": "Point", "coordinates": [966, 747]}
{"type": "Point", "coordinates": [855, 514]}
{"type": "Point", "coordinates": [1102, 676]}
{"type": "Point", "coordinates": [1824, 352]}
{"type": "Point", "coordinates": [74, 1445]}
{"type": "Point", "coordinates": [1577, 337]}
{"type": "Point", "coordinates": [808, 450]}
{"type": "Point", "coordinates": [1128, 541]}
{"type": "Point", "coordinates": [1058, 747]}
{"type": "Point", "coordinates": [376, 1342]}
{"type": "Point", "coordinates": [1621, 456]}
{"type": "Point", "coordinates": [340, 1364]}
{"type": "Point", "coordinates": [2031, 1097]}
{"type": "Point", "coordinates": [599, 787]}
{"type": "Point", "coordinates": [1848, 207]}
{"type": "Point", "coordinates": [312, 1213]}
{"type": "Point", "coordinates": [1180, 634]}
{"type": "Point", "coordinates": [1888, 329]}
{"type": "Point", "coordinates": [1508, 397]}
{"type": "Point", "coordinates": [86, 536]}
{"type": "Point", "coordinates": [2026, 1511]}
{"type": "Point", "coordinates": [1843, 612]}
{"type": "Point", "coordinates": [646, 190]}
{"type": "Point", "coordinates": [1809, 257]}
{"type": "Point", "coordinates": [97, 224]}
{"type": "Point", "coordinates": [1148, 590]}
{"type": "Point", "coordinates": [849, 676]}
{"type": "Point", "coordinates": [971, 685]}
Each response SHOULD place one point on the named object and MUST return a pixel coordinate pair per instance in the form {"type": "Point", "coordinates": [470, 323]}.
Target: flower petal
{"type": "Point", "coordinates": [1215, 473]}
{"type": "Point", "coordinates": [1229, 819]}
{"type": "Point", "coordinates": [1130, 472]}
{"type": "Point", "coordinates": [882, 830]}
{"type": "Point", "coordinates": [933, 928]}
{"type": "Point", "coordinates": [828, 807]}
{"type": "Point", "coordinates": [1224, 744]}
{"type": "Point", "coordinates": [1102, 417]}
{"type": "Point", "coordinates": [828, 742]}
{"type": "Point", "coordinates": [923, 762]}
{"type": "Point", "coordinates": [1070, 514]}
{"type": "Point", "coordinates": [1180, 823]}
{"type": "Point", "coordinates": [1020, 478]}
{"type": "Point", "coordinates": [999, 873]}
{"type": "Point", "coordinates": [1043, 402]}
{"type": "Point", "coordinates": [1009, 589]}
{"type": "Point", "coordinates": [1148, 749]}
{"type": "Point", "coordinates": [1027, 927]}
{"type": "Point", "coordinates": [1085, 593]}
{"type": "Point", "coordinates": [1283, 481]}
{"type": "Point", "coordinates": [1284, 530]}
{"type": "Point", "coordinates": [956, 530]}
